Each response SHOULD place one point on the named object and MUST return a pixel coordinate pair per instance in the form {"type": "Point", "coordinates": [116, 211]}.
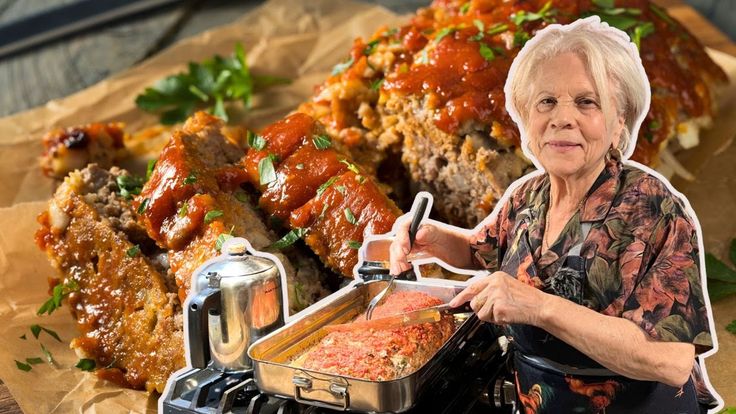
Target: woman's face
{"type": "Point", "coordinates": [566, 126]}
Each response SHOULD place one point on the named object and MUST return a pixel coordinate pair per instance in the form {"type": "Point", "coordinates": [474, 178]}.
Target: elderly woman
{"type": "Point", "coordinates": [595, 263]}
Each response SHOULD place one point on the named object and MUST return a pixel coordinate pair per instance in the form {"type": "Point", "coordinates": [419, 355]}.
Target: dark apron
{"type": "Point", "coordinates": [553, 377]}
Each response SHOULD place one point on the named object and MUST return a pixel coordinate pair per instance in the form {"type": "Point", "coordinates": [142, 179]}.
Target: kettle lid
{"type": "Point", "coordinates": [236, 260]}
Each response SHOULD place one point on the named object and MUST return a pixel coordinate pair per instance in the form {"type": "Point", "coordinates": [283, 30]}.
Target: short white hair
{"type": "Point", "coordinates": [611, 60]}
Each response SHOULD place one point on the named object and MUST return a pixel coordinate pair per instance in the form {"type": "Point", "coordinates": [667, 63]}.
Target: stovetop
{"type": "Point", "coordinates": [465, 386]}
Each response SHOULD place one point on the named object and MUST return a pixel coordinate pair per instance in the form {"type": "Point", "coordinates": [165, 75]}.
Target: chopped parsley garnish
{"type": "Point", "coordinates": [444, 32]}
{"type": "Point", "coordinates": [290, 238]}
{"type": "Point", "coordinates": [34, 361]}
{"type": "Point", "coordinates": [36, 330]}
{"type": "Point", "coordinates": [184, 209]}
{"type": "Point", "coordinates": [721, 277]}
{"type": "Point", "coordinates": [360, 179]}
{"type": "Point", "coordinates": [256, 141]}
{"type": "Point", "coordinates": [191, 178]}
{"type": "Point", "coordinates": [497, 28]}
{"type": "Point", "coordinates": [520, 38]}
{"type": "Point", "coordinates": [546, 13]}
{"type": "Point", "coordinates": [86, 364]}
{"type": "Point", "coordinates": [464, 8]}
{"type": "Point", "coordinates": [266, 171]}
{"type": "Point", "coordinates": [149, 168]}
{"type": "Point", "coordinates": [23, 337]}
{"type": "Point", "coordinates": [350, 217]}
{"type": "Point", "coordinates": [340, 188]}
{"type": "Point", "coordinates": [59, 292]}
{"type": "Point", "coordinates": [354, 244]}
{"type": "Point", "coordinates": [205, 85]}
{"type": "Point", "coordinates": [423, 59]}
{"type": "Point", "coordinates": [211, 215]}
{"type": "Point", "coordinates": [641, 31]}
{"type": "Point", "coordinates": [22, 366]}
{"type": "Point", "coordinates": [623, 18]}
{"type": "Point", "coordinates": [486, 52]}
{"type": "Point", "coordinates": [129, 185]}
{"type": "Point", "coordinates": [47, 355]}
{"type": "Point", "coordinates": [321, 141]}
{"type": "Point", "coordinates": [661, 14]}
{"type": "Point", "coordinates": [352, 167]}
{"type": "Point", "coordinates": [143, 206]}
{"type": "Point", "coordinates": [654, 125]}
{"type": "Point", "coordinates": [371, 47]}
{"type": "Point", "coordinates": [326, 185]}
{"type": "Point", "coordinates": [133, 251]}
{"type": "Point", "coordinates": [342, 67]}
{"type": "Point", "coordinates": [376, 84]}
{"type": "Point", "coordinates": [731, 327]}
{"type": "Point", "coordinates": [222, 238]}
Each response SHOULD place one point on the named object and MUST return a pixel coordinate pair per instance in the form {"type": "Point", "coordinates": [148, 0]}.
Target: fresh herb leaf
{"type": "Point", "coordinates": [86, 364]}
{"type": "Point", "coordinates": [444, 32]}
{"type": "Point", "coordinates": [717, 270]}
{"type": "Point", "coordinates": [23, 337]}
{"type": "Point", "coordinates": [184, 209]}
{"type": "Point", "coordinates": [208, 85]}
{"type": "Point", "coordinates": [47, 355]}
{"type": "Point", "coordinates": [35, 330]}
{"type": "Point", "coordinates": [340, 188]}
{"type": "Point", "coordinates": [371, 47]}
{"type": "Point", "coordinates": [654, 125]}
{"type": "Point", "coordinates": [149, 169]}
{"type": "Point", "coordinates": [731, 327]}
{"type": "Point", "coordinates": [143, 206]}
{"type": "Point", "coordinates": [57, 294]}
{"type": "Point", "coordinates": [520, 38]}
{"type": "Point", "coordinates": [422, 59]}
{"type": "Point", "coordinates": [661, 14]}
{"type": "Point", "coordinates": [326, 185]}
{"type": "Point", "coordinates": [350, 217]}
{"type": "Point", "coordinates": [211, 215]}
{"type": "Point", "coordinates": [360, 179]}
{"type": "Point", "coordinates": [497, 28]}
{"type": "Point", "coordinates": [352, 167]}
{"type": "Point", "coordinates": [479, 25]}
{"type": "Point", "coordinates": [376, 84]}
{"type": "Point", "coordinates": [191, 178]}
{"type": "Point", "coordinates": [486, 52]}
{"type": "Point", "coordinates": [290, 238]}
{"type": "Point", "coordinates": [221, 239]}
{"type": "Point", "coordinates": [256, 141]}
{"type": "Point", "coordinates": [546, 13]}
{"type": "Point", "coordinates": [718, 289]}
{"type": "Point", "coordinates": [464, 8]}
{"type": "Point", "coordinates": [22, 366]}
{"type": "Point", "coordinates": [133, 251]}
{"type": "Point", "coordinates": [266, 172]}
{"type": "Point", "coordinates": [129, 185]}
{"type": "Point", "coordinates": [641, 31]}
{"type": "Point", "coordinates": [34, 361]}
{"type": "Point", "coordinates": [604, 4]}
{"type": "Point", "coordinates": [342, 67]}
{"type": "Point", "coordinates": [354, 244]}
{"type": "Point", "coordinates": [321, 141]}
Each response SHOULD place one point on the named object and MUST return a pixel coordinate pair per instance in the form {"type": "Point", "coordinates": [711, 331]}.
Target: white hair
{"type": "Point", "coordinates": [612, 61]}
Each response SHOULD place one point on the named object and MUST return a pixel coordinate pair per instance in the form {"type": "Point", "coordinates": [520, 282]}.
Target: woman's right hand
{"type": "Point", "coordinates": [432, 240]}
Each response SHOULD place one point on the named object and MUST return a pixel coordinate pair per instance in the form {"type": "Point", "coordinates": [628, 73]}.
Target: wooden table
{"type": "Point", "coordinates": [59, 69]}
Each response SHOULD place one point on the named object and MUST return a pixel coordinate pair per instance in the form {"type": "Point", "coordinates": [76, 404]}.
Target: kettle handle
{"type": "Point", "coordinates": [199, 339]}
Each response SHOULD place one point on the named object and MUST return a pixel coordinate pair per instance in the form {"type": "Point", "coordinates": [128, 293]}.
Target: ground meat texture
{"type": "Point", "coordinates": [127, 318]}
{"type": "Point", "coordinates": [69, 149]}
{"type": "Point", "coordinates": [382, 354]}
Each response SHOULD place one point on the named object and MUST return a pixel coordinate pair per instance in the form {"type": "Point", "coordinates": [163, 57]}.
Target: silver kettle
{"type": "Point", "coordinates": [236, 299]}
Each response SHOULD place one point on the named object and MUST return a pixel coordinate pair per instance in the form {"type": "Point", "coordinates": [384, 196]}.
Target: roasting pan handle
{"type": "Point", "coordinates": [337, 387]}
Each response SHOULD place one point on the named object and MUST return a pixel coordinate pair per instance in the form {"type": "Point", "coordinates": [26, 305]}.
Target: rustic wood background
{"type": "Point", "coordinates": [58, 69]}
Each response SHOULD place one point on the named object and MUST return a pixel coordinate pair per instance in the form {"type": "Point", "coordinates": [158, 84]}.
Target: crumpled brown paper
{"type": "Point", "coordinates": [297, 40]}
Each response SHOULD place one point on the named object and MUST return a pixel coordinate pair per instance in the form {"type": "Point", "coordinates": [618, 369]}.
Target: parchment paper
{"type": "Point", "coordinates": [284, 38]}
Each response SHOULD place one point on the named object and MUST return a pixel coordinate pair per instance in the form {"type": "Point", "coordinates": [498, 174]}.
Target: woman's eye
{"type": "Point", "coordinates": [546, 104]}
{"type": "Point", "coordinates": [587, 103]}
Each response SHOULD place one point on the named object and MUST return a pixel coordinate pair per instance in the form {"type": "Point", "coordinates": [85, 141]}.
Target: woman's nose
{"type": "Point", "coordinates": [562, 116]}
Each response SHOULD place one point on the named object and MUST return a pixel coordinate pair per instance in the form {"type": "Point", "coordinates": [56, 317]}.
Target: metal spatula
{"type": "Point", "coordinates": [418, 215]}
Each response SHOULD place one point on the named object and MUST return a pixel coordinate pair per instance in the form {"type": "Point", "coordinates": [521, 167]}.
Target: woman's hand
{"type": "Point", "coordinates": [433, 239]}
{"type": "Point", "coordinates": [501, 299]}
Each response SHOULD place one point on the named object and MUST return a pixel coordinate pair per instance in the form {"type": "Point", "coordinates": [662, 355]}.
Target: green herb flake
{"type": "Point", "coordinates": [290, 238]}
{"type": "Point", "coordinates": [654, 125]}
{"type": "Point", "coordinates": [133, 251]}
{"type": "Point", "coordinates": [360, 179]}
{"type": "Point", "coordinates": [23, 337]}
{"type": "Point", "coordinates": [266, 172]}
{"type": "Point", "coordinates": [143, 206]}
{"type": "Point", "coordinates": [256, 141]}
{"type": "Point", "coordinates": [57, 294]}
{"type": "Point", "coordinates": [354, 244]}
{"type": "Point", "coordinates": [422, 59]}
{"type": "Point", "coordinates": [47, 355]}
{"type": "Point", "coordinates": [340, 188]}
{"type": "Point", "coordinates": [326, 185]}
{"type": "Point", "coordinates": [22, 366]}
{"type": "Point", "coordinates": [300, 166]}
{"type": "Point", "coordinates": [520, 38]}
{"type": "Point", "coordinates": [486, 52]}
{"type": "Point", "coordinates": [497, 28]}
{"type": "Point", "coordinates": [661, 14]}
{"type": "Point", "coordinates": [464, 8]}
{"type": "Point", "coordinates": [35, 330]}
{"type": "Point", "coordinates": [191, 178]}
{"type": "Point", "coordinates": [51, 333]}
{"type": "Point", "coordinates": [376, 84]}
{"type": "Point", "coordinates": [149, 169]}
{"type": "Point", "coordinates": [212, 214]}
{"type": "Point", "coordinates": [342, 67]}
{"type": "Point", "coordinates": [731, 327]}
{"type": "Point", "coordinates": [86, 364]}
{"type": "Point", "coordinates": [184, 209]}
{"type": "Point", "coordinates": [350, 217]}
{"type": "Point", "coordinates": [546, 13]}
{"type": "Point", "coordinates": [479, 25]}
{"type": "Point", "coordinates": [321, 141]}
{"type": "Point", "coordinates": [352, 167]}
{"type": "Point", "coordinates": [371, 47]}
{"type": "Point", "coordinates": [444, 32]}
{"type": "Point", "coordinates": [34, 361]}
{"type": "Point", "coordinates": [221, 239]}
{"type": "Point", "coordinates": [721, 277]}
{"type": "Point", "coordinates": [129, 185]}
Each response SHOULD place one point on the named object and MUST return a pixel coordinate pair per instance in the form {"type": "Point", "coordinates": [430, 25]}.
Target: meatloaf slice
{"type": "Point", "coordinates": [383, 354]}
{"type": "Point", "coordinates": [129, 320]}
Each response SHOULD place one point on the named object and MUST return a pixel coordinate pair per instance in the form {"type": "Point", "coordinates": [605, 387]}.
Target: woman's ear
{"type": "Point", "coordinates": [618, 129]}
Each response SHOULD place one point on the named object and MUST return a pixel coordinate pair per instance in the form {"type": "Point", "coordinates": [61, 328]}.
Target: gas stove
{"type": "Point", "coordinates": [474, 380]}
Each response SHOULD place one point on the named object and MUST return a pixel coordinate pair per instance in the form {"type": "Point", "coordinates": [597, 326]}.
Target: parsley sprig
{"type": "Point", "coordinates": [721, 277]}
{"type": "Point", "coordinates": [624, 18]}
{"type": "Point", "coordinates": [205, 85]}
{"type": "Point", "coordinates": [58, 293]}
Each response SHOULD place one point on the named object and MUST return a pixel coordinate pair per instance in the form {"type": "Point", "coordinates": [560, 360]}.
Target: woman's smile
{"type": "Point", "coordinates": [563, 146]}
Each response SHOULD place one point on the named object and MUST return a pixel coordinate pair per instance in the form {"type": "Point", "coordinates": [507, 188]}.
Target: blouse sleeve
{"type": "Point", "coordinates": [486, 243]}
{"type": "Point", "coordinates": [667, 301]}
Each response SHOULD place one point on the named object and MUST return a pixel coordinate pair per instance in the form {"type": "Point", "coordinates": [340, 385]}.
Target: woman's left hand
{"type": "Point", "coordinates": [502, 299]}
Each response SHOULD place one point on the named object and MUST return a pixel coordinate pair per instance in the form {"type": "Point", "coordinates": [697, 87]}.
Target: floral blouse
{"type": "Point", "coordinates": [641, 253]}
